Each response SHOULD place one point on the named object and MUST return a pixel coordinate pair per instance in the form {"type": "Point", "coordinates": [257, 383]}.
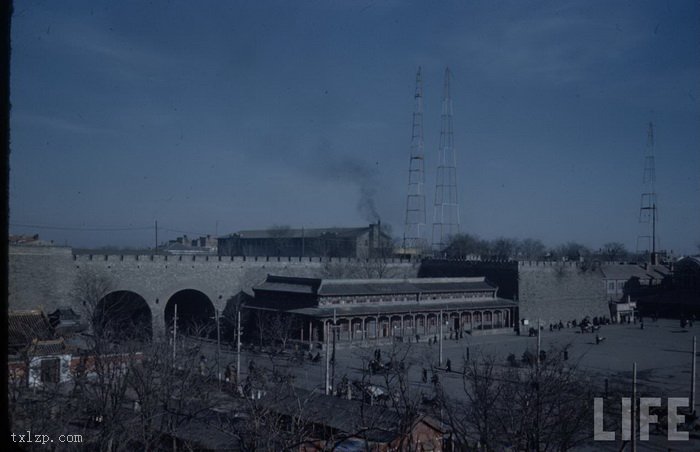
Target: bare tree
{"type": "Point", "coordinates": [101, 385]}
{"type": "Point", "coordinates": [89, 289]}
{"type": "Point", "coordinates": [571, 251]}
{"type": "Point", "coordinates": [386, 382]}
{"type": "Point", "coordinates": [615, 251]}
{"type": "Point", "coordinates": [465, 245]}
{"type": "Point", "coordinates": [46, 408]}
{"type": "Point", "coordinates": [531, 249]}
{"type": "Point", "coordinates": [282, 327]}
{"type": "Point", "coordinates": [503, 248]}
{"type": "Point", "coordinates": [372, 267]}
{"type": "Point", "coordinates": [475, 422]}
{"type": "Point", "coordinates": [544, 405]}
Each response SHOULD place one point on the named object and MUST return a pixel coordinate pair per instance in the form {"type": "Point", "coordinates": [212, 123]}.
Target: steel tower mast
{"type": "Point", "coordinates": [446, 217]}
{"type": "Point", "coordinates": [414, 241]}
{"type": "Point", "coordinates": [647, 211]}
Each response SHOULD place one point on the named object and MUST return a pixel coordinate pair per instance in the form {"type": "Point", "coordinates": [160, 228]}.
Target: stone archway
{"type": "Point", "coordinates": [123, 315]}
{"type": "Point", "coordinates": [195, 314]}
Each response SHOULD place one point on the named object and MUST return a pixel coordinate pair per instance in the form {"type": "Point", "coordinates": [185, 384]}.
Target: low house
{"type": "Point", "coordinates": [45, 350]}
{"type": "Point", "coordinates": [622, 280]}
{"type": "Point", "coordinates": [623, 311]}
{"type": "Point", "coordinates": [334, 423]}
{"type": "Point", "coordinates": [36, 356]}
{"type": "Point", "coordinates": [66, 322]}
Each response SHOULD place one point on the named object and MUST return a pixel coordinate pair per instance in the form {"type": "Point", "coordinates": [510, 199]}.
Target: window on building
{"type": "Point", "coordinates": [50, 370]}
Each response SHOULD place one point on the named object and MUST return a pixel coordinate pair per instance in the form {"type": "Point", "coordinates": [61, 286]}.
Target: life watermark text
{"type": "Point", "coordinates": [673, 418]}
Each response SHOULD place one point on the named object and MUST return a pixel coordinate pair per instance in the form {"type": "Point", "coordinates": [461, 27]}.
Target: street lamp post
{"type": "Point", "coordinates": [218, 348]}
{"type": "Point", "coordinates": [441, 322]}
{"type": "Point", "coordinates": [334, 327]}
{"type": "Point", "coordinates": [175, 333]}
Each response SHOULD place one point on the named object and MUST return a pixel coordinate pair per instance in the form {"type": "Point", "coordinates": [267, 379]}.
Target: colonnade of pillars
{"type": "Point", "coordinates": [362, 328]}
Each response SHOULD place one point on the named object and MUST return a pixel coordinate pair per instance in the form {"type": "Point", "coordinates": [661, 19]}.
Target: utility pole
{"type": "Point", "coordinates": [446, 214]}
{"type": "Point", "coordinates": [440, 337]}
{"type": "Point", "coordinates": [692, 378]}
{"type": "Point", "coordinates": [634, 407]}
{"type": "Point", "coordinates": [333, 359]}
{"type": "Point", "coordinates": [156, 229]}
{"type": "Point", "coordinates": [174, 332]}
{"type": "Point", "coordinates": [218, 347]}
{"type": "Point", "coordinates": [328, 357]}
{"type": "Point", "coordinates": [539, 341]}
{"type": "Point", "coordinates": [238, 346]}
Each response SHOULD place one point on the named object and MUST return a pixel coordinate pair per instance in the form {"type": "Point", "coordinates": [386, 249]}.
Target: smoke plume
{"type": "Point", "coordinates": [354, 171]}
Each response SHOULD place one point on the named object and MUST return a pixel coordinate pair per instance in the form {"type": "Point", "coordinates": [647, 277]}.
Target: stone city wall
{"type": "Point", "coordinates": [560, 291]}
{"type": "Point", "coordinates": [44, 276]}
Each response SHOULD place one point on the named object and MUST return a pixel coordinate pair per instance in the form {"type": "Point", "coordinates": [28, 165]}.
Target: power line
{"type": "Point", "coordinates": [78, 228]}
{"type": "Point", "coordinates": [185, 232]}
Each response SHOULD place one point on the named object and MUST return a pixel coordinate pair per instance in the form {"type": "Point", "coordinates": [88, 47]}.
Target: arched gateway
{"type": "Point", "coordinates": [123, 315]}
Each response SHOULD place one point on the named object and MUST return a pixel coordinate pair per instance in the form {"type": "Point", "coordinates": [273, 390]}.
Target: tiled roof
{"type": "Point", "coordinates": [348, 416]}
{"type": "Point", "coordinates": [627, 271]}
{"type": "Point", "coordinates": [659, 271]}
{"type": "Point", "coordinates": [25, 326]}
{"type": "Point", "coordinates": [339, 287]}
{"type": "Point", "coordinates": [285, 287]}
{"type": "Point", "coordinates": [393, 286]}
{"type": "Point", "coordinates": [290, 284]}
{"type": "Point", "coordinates": [46, 348]}
{"type": "Point", "coordinates": [328, 311]}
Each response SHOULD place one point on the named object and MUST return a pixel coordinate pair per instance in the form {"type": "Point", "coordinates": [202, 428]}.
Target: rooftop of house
{"type": "Point", "coordinates": [340, 287]}
{"type": "Point", "coordinates": [65, 321]}
{"type": "Point", "coordinates": [352, 417]}
{"type": "Point", "coordinates": [23, 327]}
{"type": "Point", "coordinates": [47, 348]}
{"type": "Point", "coordinates": [288, 233]}
{"type": "Point", "coordinates": [627, 271]}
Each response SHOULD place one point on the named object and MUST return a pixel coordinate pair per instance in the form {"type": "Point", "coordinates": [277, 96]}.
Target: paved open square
{"type": "Point", "coordinates": [662, 351]}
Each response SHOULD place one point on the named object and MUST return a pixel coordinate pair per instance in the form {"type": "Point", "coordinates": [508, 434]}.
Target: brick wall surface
{"type": "Point", "coordinates": [554, 291]}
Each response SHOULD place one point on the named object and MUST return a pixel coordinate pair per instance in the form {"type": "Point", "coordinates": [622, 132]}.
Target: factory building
{"type": "Point", "coordinates": [364, 242]}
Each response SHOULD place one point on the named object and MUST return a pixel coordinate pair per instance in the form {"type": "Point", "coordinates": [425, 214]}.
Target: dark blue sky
{"type": "Point", "coordinates": [219, 116]}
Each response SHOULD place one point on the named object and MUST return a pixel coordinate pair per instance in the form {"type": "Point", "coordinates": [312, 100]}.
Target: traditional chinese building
{"type": "Point", "coordinates": [362, 310]}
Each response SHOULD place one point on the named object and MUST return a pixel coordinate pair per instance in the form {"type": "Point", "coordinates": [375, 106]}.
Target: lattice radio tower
{"type": "Point", "coordinates": [446, 218]}
{"type": "Point", "coordinates": [414, 241]}
{"type": "Point", "coordinates": [647, 211]}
